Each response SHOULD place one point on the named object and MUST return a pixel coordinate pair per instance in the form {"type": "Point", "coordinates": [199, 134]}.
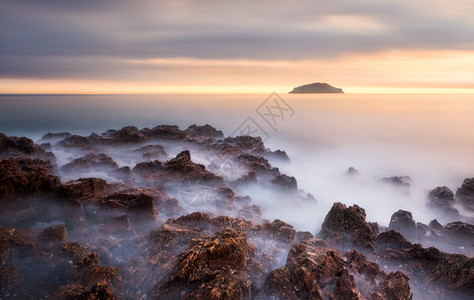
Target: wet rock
{"type": "Point", "coordinates": [54, 236]}
{"type": "Point", "coordinates": [92, 162]}
{"type": "Point", "coordinates": [286, 183]}
{"type": "Point", "coordinates": [165, 132]}
{"type": "Point", "coordinates": [181, 167]}
{"type": "Point", "coordinates": [211, 268]}
{"type": "Point", "coordinates": [100, 291]}
{"type": "Point", "coordinates": [442, 199]}
{"type": "Point", "coordinates": [278, 230]}
{"type": "Point", "coordinates": [258, 164]}
{"type": "Point", "coordinates": [10, 278]}
{"type": "Point", "coordinates": [465, 193]}
{"type": "Point", "coordinates": [346, 228]}
{"type": "Point", "coordinates": [83, 188]}
{"type": "Point", "coordinates": [76, 141]}
{"type": "Point", "coordinates": [21, 177]}
{"type": "Point", "coordinates": [11, 147]}
{"type": "Point", "coordinates": [204, 131]}
{"type": "Point", "coordinates": [153, 152]}
{"type": "Point", "coordinates": [461, 235]}
{"type": "Point", "coordinates": [396, 286]}
{"type": "Point", "coordinates": [402, 221]}
{"type": "Point", "coordinates": [443, 276]}
{"type": "Point", "coordinates": [128, 135]}
{"type": "Point", "coordinates": [247, 143]}
{"type": "Point", "coordinates": [139, 206]}
{"type": "Point", "coordinates": [392, 239]}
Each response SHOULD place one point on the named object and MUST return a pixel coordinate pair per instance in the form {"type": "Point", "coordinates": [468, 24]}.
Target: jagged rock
{"type": "Point", "coordinates": [392, 239]}
{"type": "Point", "coordinates": [247, 143]}
{"type": "Point", "coordinates": [22, 177]}
{"type": "Point", "coordinates": [211, 268]}
{"type": "Point", "coordinates": [83, 188]}
{"type": "Point", "coordinates": [442, 199]}
{"type": "Point", "coordinates": [250, 178]}
{"type": "Point", "coordinates": [76, 141]}
{"type": "Point", "coordinates": [153, 152]}
{"type": "Point", "coordinates": [139, 206]}
{"type": "Point", "coordinates": [54, 236]}
{"type": "Point", "coordinates": [11, 147]}
{"type": "Point", "coordinates": [10, 278]}
{"type": "Point", "coordinates": [461, 235]}
{"type": "Point", "coordinates": [402, 221]}
{"type": "Point", "coordinates": [346, 228]}
{"type": "Point", "coordinates": [91, 162]}
{"type": "Point", "coordinates": [286, 183]}
{"type": "Point", "coordinates": [465, 193]}
{"type": "Point", "coordinates": [128, 135]}
{"type": "Point", "coordinates": [165, 132]}
{"type": "Point", "coordinates": [204, 131]}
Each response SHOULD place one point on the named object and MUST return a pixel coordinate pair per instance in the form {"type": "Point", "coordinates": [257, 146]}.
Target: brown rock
{"type": "Point", "coordinates": [345, 227]}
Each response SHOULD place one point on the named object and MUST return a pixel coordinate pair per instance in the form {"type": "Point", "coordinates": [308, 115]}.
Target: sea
{"type": "Point", "coordinates": [429, 138]}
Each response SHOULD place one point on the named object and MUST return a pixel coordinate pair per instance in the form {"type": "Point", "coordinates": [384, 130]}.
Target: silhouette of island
{"type": "Point", "coordinates": [317, 87]}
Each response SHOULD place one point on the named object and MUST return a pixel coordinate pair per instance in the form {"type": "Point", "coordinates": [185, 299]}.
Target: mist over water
{"type": "Point", "coordinates": [427, 137]}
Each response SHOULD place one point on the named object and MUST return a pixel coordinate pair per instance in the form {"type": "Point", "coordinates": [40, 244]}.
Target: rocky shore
{"type": "Point", "coordinates": [156, 213]}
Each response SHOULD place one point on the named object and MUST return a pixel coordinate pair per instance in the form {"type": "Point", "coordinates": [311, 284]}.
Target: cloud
{"type": "Point", "coordinates": [96, 39]}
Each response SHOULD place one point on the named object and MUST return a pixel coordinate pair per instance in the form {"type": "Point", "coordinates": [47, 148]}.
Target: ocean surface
{"type": "Point", "coordinates": [427, 137]}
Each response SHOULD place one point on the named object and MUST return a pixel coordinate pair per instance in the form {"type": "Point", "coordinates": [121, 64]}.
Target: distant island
{"type": "Point", "coordinates": [317, 87]}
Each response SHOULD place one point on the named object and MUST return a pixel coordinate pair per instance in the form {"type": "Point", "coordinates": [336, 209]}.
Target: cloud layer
{"type": "Point", "coordinates": [104, 39]}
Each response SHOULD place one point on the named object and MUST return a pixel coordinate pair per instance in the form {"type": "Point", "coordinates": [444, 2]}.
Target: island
{"type": "Point", "coordinates": [316, 88]}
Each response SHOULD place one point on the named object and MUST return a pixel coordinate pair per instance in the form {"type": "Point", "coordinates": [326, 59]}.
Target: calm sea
{"type": "Point", "coordinates": [427, 137]}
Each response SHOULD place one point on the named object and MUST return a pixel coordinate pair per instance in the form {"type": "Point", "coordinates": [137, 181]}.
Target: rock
{"type": "Point", "coordinates": [316, 88]}
{"type": "Point", "coordinates": [11, 147]}
{"type": "Point", "coordinates": [442, 199]}
{"type": "Point", "coordinates": [139, 206]}
{"type": "Point", "coordinates": [402, 221]}
{"type": "Point", "coordinates": [100, 291]}
{"type": "Point", "coordinates": [396, 287]}
{"type": "Point", "coordinates": [278, 156]}
{"type": "Point", "coordinates": [211, 268]}
{"type": "Point", "coordinates": [461, 235]}
{"type": "Point", "coordinates": [10, 278]}
{"type": "Point", "coordinates": [247, 143]}
{"type": "Point", "coordinates": [352, 172]}
{"type": "Point", "coordinates": [76, 141]}
{"type": "Point", "coordinates": [285, 183]}
{"type": "Point", "coordinates": [346, 228]}
{"type": "Point", "coordinates": [128, 135]}
{"type": "Point", "coordinates": [250, 178]}
{"type": "Point", "coordinates": [153, 152]}
{"type": "Point", "coordinates": [119, 226]}
{"type": "Point", "coordinates": [204, 131]}
{"type": "Point", "coordinates": [83, 188]}
{"type": "Point", "coordinates": [54, 236]}
{"type": "Point", "coordinates": [398, 180]}
{"type": "Point", "coordinates": [55, 136]}
{"type": "Point", "coordinates": [22, 177]}
{"type": "Point", "coordinates": [392, 239]}
{"type": "Point", "coordinates": [91, 163]}
{"type": "Point", "coordinates": [165, 132]}
{"type": "Point", "coordinates": [465, 194]}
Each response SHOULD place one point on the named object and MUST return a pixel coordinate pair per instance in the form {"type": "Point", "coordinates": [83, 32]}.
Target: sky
{"type": "Point", "coordinates": [219, 46]}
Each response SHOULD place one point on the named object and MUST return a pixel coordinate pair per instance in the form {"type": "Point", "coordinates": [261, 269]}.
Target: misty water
{"type": "Point", "coordinates": [427, 137]}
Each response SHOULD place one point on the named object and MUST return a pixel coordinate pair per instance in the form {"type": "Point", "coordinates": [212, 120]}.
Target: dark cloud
{"type": "Point", "coordinates": [73, 39]}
